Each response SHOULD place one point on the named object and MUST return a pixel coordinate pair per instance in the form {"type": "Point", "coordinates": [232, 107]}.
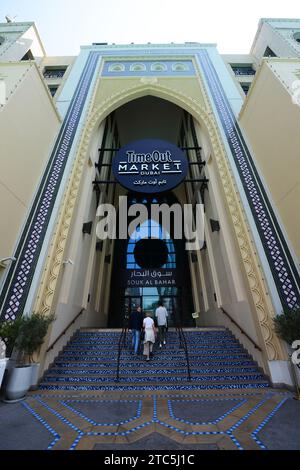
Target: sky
{"type": "Point", "coordinates": [65, 25]}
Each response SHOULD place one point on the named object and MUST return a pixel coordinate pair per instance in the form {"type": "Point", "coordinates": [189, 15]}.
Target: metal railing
{"type": "Point", "coordinates": [65, 330]}
{"type": "Point", "coordinates": [121, 344]}
{"type": "Point", "coordinates": [183, 344]}
{"type": "Point", "coordinates": [241, 329]}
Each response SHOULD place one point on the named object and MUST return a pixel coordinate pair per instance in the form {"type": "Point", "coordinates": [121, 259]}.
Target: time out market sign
{"type": "Point", "coordinates": [150, 166]}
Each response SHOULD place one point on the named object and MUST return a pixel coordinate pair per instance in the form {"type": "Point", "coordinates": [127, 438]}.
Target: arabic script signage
{"type": "Point", "coordinates": [150, 166]}
{"type": "Point", "coordinates": [151, 278]}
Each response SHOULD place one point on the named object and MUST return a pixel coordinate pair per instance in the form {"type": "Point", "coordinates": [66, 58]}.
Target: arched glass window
{"type": "Point", "coordinates": [179, 67]}
{"type": "Point", "coordinates": [150, 245]}
{"type": "Point", "coordinates": [116, 68]}
{"type": "Point", "coordinates": [138, 68]}
{"type": "Point", "coordinates": [158, 67]}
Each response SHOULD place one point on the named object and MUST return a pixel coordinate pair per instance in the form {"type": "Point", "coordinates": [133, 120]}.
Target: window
{"type": "Point", "coordinates": [138, 68]}
{"type": "Point", "coordinates": [158, 67]}
{"type": "Point", "coordinates": [179, 67]}
{"type": "Point", "coordinates": [28, 56]}
{"type": "Point", "coordinates": [296, 36]}
{"type": "Point", "coordinates": [116, 68]}
{"type": "Point", "coordinates": [269, 53]}
{"type": "Point", "coordinates": [2, 40]}
{"type": "Point", "coordinates": [242, 69]}
{"type": "Point", "coordinates": [155, 252]}
{"type": "Point", "coordinates": [54, 72]}
{"type": "Point", "coordinates": [245, 87]}
{"type": "Point", "coordinates": [53, 89]}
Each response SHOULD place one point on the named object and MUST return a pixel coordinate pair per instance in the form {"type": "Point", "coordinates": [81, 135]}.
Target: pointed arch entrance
{"type": "Point", "coordinates": [248, 291]}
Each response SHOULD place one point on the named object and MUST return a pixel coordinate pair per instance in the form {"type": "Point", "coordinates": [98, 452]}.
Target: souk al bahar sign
{"type": "Point", "coordinates": [151, 278]}
{"type": "Point", "coordinates": [150, 166]}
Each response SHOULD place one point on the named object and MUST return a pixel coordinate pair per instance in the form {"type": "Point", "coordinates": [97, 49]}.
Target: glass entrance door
{"type": "Point", "coordinates": [174, 312]}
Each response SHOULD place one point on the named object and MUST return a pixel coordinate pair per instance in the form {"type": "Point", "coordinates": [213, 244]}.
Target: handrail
{"type": "Point", "coordinates": [122, 341]}
{"type": "Point", "coordinates": [183, 343]}
{"type": "Point", "coordinates": [241, 329]}
{"type": "Point", "coordinates": [180, 330]}
{"type": "Point", "coordinates": [65, 330]}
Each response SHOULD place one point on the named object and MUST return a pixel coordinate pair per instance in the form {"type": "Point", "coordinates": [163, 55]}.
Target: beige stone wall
{"type": "Point", "coordinates": [28, 126]}
{"type": "Point", "coordinates": [271, 122]}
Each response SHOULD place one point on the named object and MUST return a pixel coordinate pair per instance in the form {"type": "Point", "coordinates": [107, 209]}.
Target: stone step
{"type": "Point", "coordinates": [90, 347]}
{"type": "Point", "coordinates": [154, 371]}
{"type": "Point", "coordinates": [162, 359]}
{"type": "Point", "coordinates": [163, 351]}
{"type": "Point", "coordinates": [183, 385]}
{"type": "Point", "coordinates": [155, 378]}
{"type": "Point", "coordinates": [152, 364]}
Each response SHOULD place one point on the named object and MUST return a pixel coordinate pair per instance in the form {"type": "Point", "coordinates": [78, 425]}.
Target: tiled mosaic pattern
{"type": "Point", "coordinates": [75, 426]}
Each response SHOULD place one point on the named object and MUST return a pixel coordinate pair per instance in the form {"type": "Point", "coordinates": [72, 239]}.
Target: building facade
{"type": "Point", "coordinates": [235, 117]}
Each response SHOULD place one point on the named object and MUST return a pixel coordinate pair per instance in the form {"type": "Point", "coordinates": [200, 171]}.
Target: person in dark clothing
{"type": "Point", "coordinates": [136, 325]}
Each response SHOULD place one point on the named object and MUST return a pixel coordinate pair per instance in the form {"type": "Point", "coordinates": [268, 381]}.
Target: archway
{"type": "Point", "coordinates": [238, 230]}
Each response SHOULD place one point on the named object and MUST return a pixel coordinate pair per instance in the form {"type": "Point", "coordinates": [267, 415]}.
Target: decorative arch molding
{"type": "Point", "coordinates": [260, 296]}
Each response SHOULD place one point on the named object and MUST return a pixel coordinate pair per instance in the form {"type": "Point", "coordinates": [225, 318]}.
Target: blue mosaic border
{"type": "Point", "coordinates": [129, 388]}
{"type": "Point", "coordinates": [282, 265]}
{"type": "Point", "coordinates": [265, 421]}
{"type": "Point", "coordinates": [45, 424]}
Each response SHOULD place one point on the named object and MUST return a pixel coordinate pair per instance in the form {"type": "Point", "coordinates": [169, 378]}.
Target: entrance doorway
{"type": "Point", "coordinates": [149, 301]}
{"type": "Point", "coordinates": [150, 267]}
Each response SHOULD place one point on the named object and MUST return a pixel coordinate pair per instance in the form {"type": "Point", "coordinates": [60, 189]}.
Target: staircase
{"type": "Point", "coordinates": [217, 361]}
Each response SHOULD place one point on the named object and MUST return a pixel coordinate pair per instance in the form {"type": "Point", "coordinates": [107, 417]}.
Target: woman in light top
{"type": "Point", "coordinates": [149, 339]}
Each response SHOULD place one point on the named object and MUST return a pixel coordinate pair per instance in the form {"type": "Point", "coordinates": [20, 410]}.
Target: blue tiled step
{"type": "Point", "coordinates": [163, 352]}
{"type": "Point", "coordinates": [217, 360]}
{"type": "Point", "coordinates": [126, 388]}
{"type": "Point", "coordinates": [149, 371]}
{"type": "Point", "coordinates": [168, 347]}
{"type": "Point", "coordinates": [59, 363]}
{"type": "Point", "coordinates": [171, 338]}
{"type": "Point", "coordinates": [158, 378]}
{"type": "Point", "coordinates": [128, 358]}
{"type": "Point", "coordinates": [191, 343]}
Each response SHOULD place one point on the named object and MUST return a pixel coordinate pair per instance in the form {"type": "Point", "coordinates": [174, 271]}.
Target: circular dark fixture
{"type": "Point", "coordinates": [151, 253]}
{"type": "Point", "coordinates": [296, 36]}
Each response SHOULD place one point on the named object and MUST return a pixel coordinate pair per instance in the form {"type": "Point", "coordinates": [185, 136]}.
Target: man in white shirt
{"type": "Point", "coordinates": [161, 314]}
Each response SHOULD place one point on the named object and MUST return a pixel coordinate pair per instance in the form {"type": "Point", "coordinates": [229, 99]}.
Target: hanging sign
{"type": "Point", "coordinates": [150, 166]}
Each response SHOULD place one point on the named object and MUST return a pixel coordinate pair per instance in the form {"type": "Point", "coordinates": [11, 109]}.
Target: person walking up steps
{"type": "Point", "coordinates": [149, 338]}
{"type": "Point", "coordinates": [161, 315]}
{"type": "Point", "coordinates": [136, 325]}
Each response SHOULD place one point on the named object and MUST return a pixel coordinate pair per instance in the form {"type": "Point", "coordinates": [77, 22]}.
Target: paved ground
{"type": "Point", "coordinates": [170, 420]}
